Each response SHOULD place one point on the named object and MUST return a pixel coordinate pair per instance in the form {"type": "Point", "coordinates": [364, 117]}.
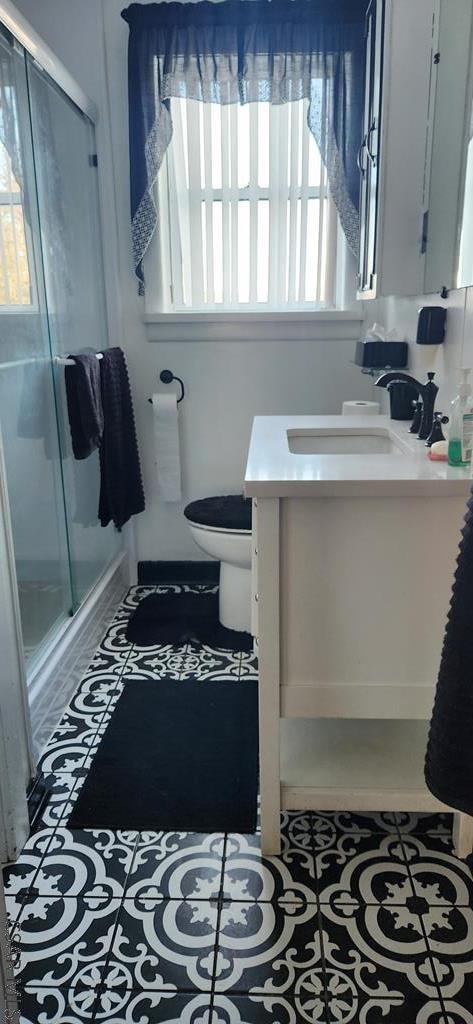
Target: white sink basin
{"type": "Point", "coordinates": [342, 441]}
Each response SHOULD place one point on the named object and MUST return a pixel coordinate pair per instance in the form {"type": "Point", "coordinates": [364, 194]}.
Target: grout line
{"type": "Point", "coordinates": [104, 973]}
{"type": "Point", "coordinates": [423, 928]}
{"type": "Point", "coordinates": [59, 823]}
{"type": "Point", "coordinates": [224, 863]}
{"type": "Point", "coordinates": [213, 979]}
{"type": "Point", "coordinates": [132, 863]}
{"type": "Point", "coordinates": [319, 916]}
{"type": "Point", "coordinates": [406, 862]}
{"type": "Point", "coordinates": [220, 898]}
{"type": "Point", "coordinates": [432, 964]}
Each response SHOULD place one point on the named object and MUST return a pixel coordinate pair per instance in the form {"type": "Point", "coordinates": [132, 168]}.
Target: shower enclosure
{"type": "Point", "coordinates": [51, 304]}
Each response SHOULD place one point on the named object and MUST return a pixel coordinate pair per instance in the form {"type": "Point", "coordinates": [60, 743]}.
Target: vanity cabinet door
{"type": "Point", "coordinates": [368, 159]}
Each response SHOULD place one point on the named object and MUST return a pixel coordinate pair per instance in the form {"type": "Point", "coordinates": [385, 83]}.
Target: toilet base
{"type": "Point", "coordinates": [235, 597]}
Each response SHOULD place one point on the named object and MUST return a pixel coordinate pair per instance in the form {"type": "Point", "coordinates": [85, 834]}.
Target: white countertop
{"type": "Point", "coordinates": [273, 471]}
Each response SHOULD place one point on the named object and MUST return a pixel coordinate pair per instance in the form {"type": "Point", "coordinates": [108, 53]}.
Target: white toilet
{"type": "Point", "coordinates": [221, 527]}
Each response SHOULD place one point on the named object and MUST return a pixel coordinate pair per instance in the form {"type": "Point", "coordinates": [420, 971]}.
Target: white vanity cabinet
{"type": "Point", "coordinates": [353, 573]}
{"type": "Point", "coordinates": [394, 153]}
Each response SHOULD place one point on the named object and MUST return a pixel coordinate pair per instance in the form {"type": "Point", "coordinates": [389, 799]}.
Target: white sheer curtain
{"type": "Point", "coordinates": [250, 220]}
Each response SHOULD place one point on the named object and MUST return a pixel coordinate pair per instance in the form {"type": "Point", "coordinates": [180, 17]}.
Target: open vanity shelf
{"type": "Point", "coordinates": [330, 763]}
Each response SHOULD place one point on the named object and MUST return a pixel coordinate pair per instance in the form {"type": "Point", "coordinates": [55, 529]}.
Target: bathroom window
{"type": "Point", "coordinates": [248, 223]}
{"type": "Point", "coordinates": [15, 279]}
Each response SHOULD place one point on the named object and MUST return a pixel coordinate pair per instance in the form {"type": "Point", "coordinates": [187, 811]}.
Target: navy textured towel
{"type": "Point", "coordinates": [449, 759]}
{"type": "Point", "coordinates": [84, 403]}
{"type": "Point", "coordinates": [121, 489]}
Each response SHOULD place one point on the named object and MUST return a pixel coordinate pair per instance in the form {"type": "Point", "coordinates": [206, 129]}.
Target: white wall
{"type": "Point", "coordinates": [227, 382]}
{"type": "Point", "coordinates": [446, 359]}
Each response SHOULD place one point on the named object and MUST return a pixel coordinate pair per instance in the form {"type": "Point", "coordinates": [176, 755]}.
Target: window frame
{"type": "Point", "coordinates": [11, 199]}
{"type": "Point", "coordinates": [159, 296]}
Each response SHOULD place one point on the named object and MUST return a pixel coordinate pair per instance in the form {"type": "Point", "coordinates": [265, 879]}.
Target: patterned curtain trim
{"type": "Point", "coordinates": [145, 220]}
{"type": "Point", "coordinates": [347, 211]}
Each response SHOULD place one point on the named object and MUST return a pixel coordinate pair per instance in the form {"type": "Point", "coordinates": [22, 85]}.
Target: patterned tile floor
{"type": "Point", "coordinates": [363, 918]}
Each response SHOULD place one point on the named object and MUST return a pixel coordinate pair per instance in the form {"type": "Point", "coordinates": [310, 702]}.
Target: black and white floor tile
{"type": "Point", "coordinates": [19, 877]}
{"type": "Point", "coordinates": [83, 862]}
{"type": "Point", "coordinates": [64, 941]}
{"type": "Point", "coordinates": [289, 878]}
{"type": "Point", "coordinates": [362, 919]}
{"type": "Point", "coordinates": [177, 865]}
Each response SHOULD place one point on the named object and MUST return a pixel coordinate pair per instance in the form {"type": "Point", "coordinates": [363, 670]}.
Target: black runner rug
{"type": "Point", "coordinates": [183, 617]}
{"type": "Point", "coordinates": [176, 756]}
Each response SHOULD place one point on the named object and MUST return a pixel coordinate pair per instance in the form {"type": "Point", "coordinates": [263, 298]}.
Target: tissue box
{"type": "Point", "coordinates": [382, 354]}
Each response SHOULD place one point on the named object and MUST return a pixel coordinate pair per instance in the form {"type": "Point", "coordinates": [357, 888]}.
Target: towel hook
{"type": "Point", "coordinates": [167, 377]}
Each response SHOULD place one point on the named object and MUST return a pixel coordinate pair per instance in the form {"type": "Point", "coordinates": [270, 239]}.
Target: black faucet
{"type": "Point", "coordinates": [427, 392]}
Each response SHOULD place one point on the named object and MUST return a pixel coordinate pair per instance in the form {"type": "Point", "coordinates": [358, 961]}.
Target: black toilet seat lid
{"type": "Point", "coordinates": [225, 511]}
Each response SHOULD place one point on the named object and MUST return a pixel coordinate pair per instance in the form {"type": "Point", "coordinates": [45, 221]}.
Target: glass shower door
{"type": "Point", "coordinates": [66, 177]}
{"type": "Point", "coordinates": [27, 402]}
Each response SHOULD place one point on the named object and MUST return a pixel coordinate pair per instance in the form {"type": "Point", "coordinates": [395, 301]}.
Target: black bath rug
{"type": "Point", "coordinates": [181, 618]}
{"type": "Point", "coordinates": [176, 757]}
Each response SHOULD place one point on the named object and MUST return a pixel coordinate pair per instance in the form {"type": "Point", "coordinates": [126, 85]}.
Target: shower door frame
{"type": "Point", "coordinates": [33, 52]}
{"type": "Point", "coordinates": [26, 35]}
{"type": "Point", "coordinates": [123, 561]}
{"type": "Point", "coordinates": [40, 54]}
{"type": "Point", "coordinates": [47, 60]}
{"type": "Point", "coordinates": [17, 761]}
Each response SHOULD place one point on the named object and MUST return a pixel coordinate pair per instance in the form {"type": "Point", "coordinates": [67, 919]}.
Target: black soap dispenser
{"type": "Point", "coordinates": [401, 398]}
{"type": "Point", "coordinates": [431, 325]}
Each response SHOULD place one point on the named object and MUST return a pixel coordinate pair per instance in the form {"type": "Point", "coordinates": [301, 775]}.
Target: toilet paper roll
{"type": "Point", "coordinates": [166, 446]}
{"type": "Point", "coordinates": [360, 409]}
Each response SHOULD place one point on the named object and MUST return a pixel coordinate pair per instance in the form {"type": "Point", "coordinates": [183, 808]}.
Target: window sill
{"type": "Point", "coordinates": [320, 325]}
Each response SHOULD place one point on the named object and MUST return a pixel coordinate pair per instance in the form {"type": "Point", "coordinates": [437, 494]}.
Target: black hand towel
{"type": "Point", "coordinates": [121, 489]}
{"type": "Point", "coordinates": [449, 758]}
{"type": "Point", "coordinates": [84, 403]}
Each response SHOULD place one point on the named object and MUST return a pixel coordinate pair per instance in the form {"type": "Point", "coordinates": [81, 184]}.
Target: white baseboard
{"type": "Point", "coordinates": [86, 623]}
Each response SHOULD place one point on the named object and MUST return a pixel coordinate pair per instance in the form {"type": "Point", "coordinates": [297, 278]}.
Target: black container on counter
{"type": "Point", "coordinates": [401, 399]}
{"type": "Point", "coordinates": [382, 354]}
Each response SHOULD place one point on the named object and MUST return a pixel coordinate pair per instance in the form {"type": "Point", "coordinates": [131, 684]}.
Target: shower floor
{"type": "Point", "coordinates": [361, 918]}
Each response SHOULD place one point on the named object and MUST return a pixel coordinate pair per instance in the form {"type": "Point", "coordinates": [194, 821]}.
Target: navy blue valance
{"type": "Point", "coordinates": [243, 51]}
